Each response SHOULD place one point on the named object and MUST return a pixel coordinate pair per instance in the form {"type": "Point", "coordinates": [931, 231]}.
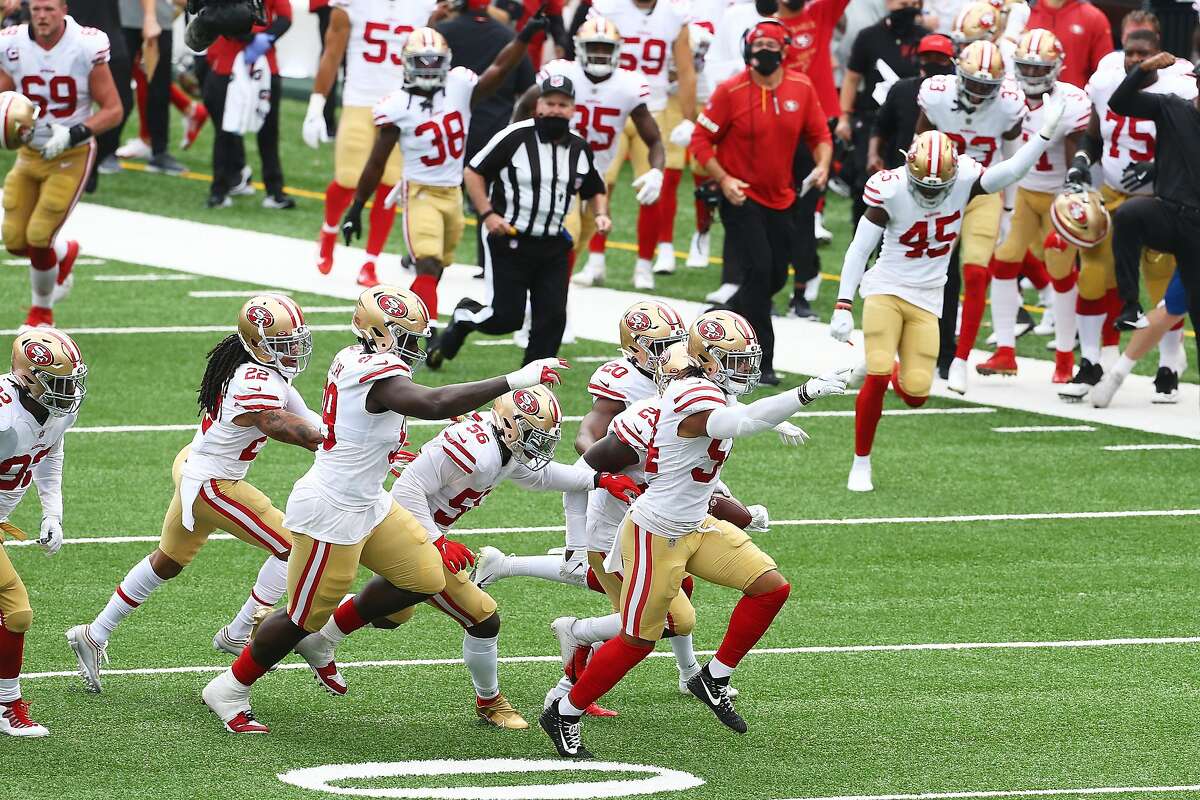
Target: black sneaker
{"type": "Point", "coordinates": [768, 378]}
{"type": "Point", "coordinates": [800, 309]}
{"type": "Point", "coordinates": [1131, 318]}
{"type": "Point", "coordinates": [714, 693]}
{"type": "Point", "coordinates": [279, 201]}
{"type": "Point", "coordinates": [1166, 386]}
{"type": "Point", "coordinates": [1024, 322]}
{"type": "Point", "coordinates": [564, 732]}
{"type": "Point", "coordinates": [165, 163]}
{"type": "Point", "coordinates": [218, 201]}
{"type": "Point", "coordinates": [1077, 388]}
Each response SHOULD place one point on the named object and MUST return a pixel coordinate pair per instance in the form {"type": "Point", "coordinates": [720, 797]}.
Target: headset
{"type": "Point", "coordinates": [787, 39]}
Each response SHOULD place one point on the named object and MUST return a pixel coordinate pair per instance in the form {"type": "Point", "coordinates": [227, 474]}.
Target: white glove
{"type": "Point", "coordinates": [314, 131]}
{"type": "Point", "coordinates": [575, 568]}
{"type": "Point", "coordinates": [841, 325]}
{"type": "Point", "coordinates": [791, 435]}
{"type": "Point", "coordinates": [51, 539]}
{"type": "Point", "coordinates": [827, 385]}
{"type": "Point", "coordinates": [60, 140]}
{"type": "Point", "coordinates": [544, 370]}
{"type": "Point", "coordinates": [681, 134]}
{"type": "Point", "coordinates": [393, 196]}
{"type": "Point", "coordinates": [649, 186]}
{"type": "Point", "coordinates": [1005, 226]}
{"type": "Point", "coordinates": [1052, 114]}
{"type": "Point", "coordinates": [760, 520]}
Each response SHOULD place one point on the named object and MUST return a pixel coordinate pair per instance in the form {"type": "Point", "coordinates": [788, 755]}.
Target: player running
{"type": "Point", "coordinates": [39, 401]}
{"type": "Point", "coordinates": [246, 397]}
{"type": "Point", "coordinates": [339, 513]}
{"type": "Point", "coordinates": [62, 67]}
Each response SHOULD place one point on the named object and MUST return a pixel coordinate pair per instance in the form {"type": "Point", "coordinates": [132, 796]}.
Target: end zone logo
{"type": "Point", "coordinates": [392, 306]}
{"type": "Point", "coordinates": [39, 354]}
{"type": "Point", "coordinates": [260, 316]}
{"type": "Point", "coordinates": [638, 321]}
{"type": "Point", "coordinates": [526, 401]}
{"type": "Point", "coordinates": [712, 330]}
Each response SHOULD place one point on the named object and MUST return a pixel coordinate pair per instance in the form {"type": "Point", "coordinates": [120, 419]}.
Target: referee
{"type": "Point", "coordinates": [534, 168]}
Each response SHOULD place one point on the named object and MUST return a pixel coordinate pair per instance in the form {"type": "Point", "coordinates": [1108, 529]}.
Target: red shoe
{"type": "Point", "coordinates": [39, 318]}
{"type": "Point", "coordinates": [366, 275]}
{"type": "Point", "coordinates": [15, 721]}
{"type": "Point", "coordinates": [1002, 362]}
{"type": "Point", "coordinates": [595, 710]}
{"type": "Point", "coordinates": [65, 279]}
{"type": "Point", "coordinates": [196, 117]}
{"type": "Point", "coordinates": [246, 723]}
{"type": "Point", "coordinates": [1064, 366]}
{"type": "Point", "coordinates": [326, 242]}
{"type": "Point", "coordinates": [583, 654]}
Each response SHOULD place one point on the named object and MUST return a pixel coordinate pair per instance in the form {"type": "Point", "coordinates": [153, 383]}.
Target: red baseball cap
{"type": "Point", "coordinates": [936, 43]}
{"type": "Point", "coordinates": [769, 29]}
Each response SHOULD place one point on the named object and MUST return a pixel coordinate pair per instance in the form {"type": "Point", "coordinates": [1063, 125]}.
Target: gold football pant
{"type": "Point", "coordinates": [39, 194]}
{"type": "Point", "coordinates": [461, 600]}
{"type": "Point", "coordinates": [980, 227]}
{"type": "Point", "coordinates": [16, 615]}
{"type": "Point", "coordinates": [580, 223]}
{"type": "Point", "coordinates": [895, 327]}
{"type": "Point", "coordinates": [352, 147]}
{"type": "Point", "coordinates": [681, 614]}
{"type": "Point", "coordinates": [433, 221]}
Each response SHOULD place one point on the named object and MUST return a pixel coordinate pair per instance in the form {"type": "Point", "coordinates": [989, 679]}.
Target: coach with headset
{"type": "Point", "coordinates": [746, 138]}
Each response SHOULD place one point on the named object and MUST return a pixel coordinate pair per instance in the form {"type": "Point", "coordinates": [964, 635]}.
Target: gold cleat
{"type": "Point", "coordinates": [500, 712]}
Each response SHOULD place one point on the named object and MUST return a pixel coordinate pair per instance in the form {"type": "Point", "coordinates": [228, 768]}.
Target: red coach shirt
{"type": "Point", "coordinates": [224, 50]}
{"type": "Point", "coordinates": [755, 133]}
{"type": "Point", "coordinates": [1084, 32]}
{"type": "Point", "coordinates": [811, 31]}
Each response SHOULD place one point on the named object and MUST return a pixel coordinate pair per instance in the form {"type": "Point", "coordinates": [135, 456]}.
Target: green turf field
{"type": "Point", "coordinates": [890, 721]}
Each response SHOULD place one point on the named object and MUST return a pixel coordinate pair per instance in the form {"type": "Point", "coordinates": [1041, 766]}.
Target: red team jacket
{"type": "Point", "coordinates": [1084, 32]}
{"type": "Point", "coordinates": [811, 31]}
{"type": "Point", "coordinates": [224, 50]}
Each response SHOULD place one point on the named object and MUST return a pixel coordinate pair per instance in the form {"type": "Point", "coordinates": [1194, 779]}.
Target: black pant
{"type": "Point", "coordinates": [229, 152]}
{"type": "Point", "coordinates": [762, 238]}
{"type": "Point", "coordinates": [105, 15]}
{"type": "Point", "coordinates": [860, 138]}
{"type": "Point", "coordinates": [516, 268]}
{"type": "Point", "coordinates": [949, 316]}
{"type": "Point", "coordinates": [805, 263]}
{"type": "Point", "coordinates": [331, 102]}
{"type": "Point", "coordinates": [158, 90]}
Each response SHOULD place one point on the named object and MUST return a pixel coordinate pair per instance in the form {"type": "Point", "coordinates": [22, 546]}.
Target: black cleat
{"type": "Point", "coordinates": [1166, 386]}
{"type": "Point", "coordinates": [564, 732]}
{"type": "Point", "coordinates": [714, 693]}
{"type": "Point", "coordinates": [1024, 322]}
{"type": "Point", "coordinates": [1088, 375]}
{"type": "Point", "coordinates": [1131, 318]}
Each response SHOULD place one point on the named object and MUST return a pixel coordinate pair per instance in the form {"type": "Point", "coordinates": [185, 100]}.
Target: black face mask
{"type": "Point", "coordinates": [931, 69]}
{"type": "Point", "coordinates": [765, 62]}
{"type": "Point", "coordinates": [794, 5]}
{"type": "Point", "coordinates": [766, 8]}
{"type": "Point", "coordinates": [902, 20]}
{"type": "Point", "coordinates": [551, 129]}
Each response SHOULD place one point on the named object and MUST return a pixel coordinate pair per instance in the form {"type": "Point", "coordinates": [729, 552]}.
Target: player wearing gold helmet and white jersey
{"type": "Point", "coordinates": [246, 397]}
{"type": "Point", "coordinates": [917, 210]}
{"type": "Point", "coordinates": [339, 514]}
{"type": "Point", "coordinates": [62, 67]}
{"type": "Point", "coordinates": [39, 402]}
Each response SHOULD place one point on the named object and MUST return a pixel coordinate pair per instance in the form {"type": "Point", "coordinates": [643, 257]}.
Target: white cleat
{"type": "Point", "coordinates": [858, 376]}
{"type": "Point", "coordinates": [224, 643]}
{"type": "Point", "coordinates": [1102, 393]}
{"type": "Point", "coordinates": [15, 721]}
{"type": "Point", "coordinates": [135, 148]}
{"type": "Point", "coordinates": [664, 259]}
{"type": "Point", "coordinates": [521, 337]}
{"type": "Point", "coordinates": [568, 336]}
{"type": "Point", "coordinates": [698, 251]}
{"type": "Point", "coordinates": [823, 234]}
{"type": "Point", "coordinates": [230, 701]}
{"type": "Point", "coordinates": [1045, 326]}
{"type": "Point", "coordinates": [722, 293]}
{"type": "Point", "coordinates": [860, 475]}
{"type": "Point", "coordinates": [318, 651]}
{"type": "Point", "coordinates": [957, 379]}
{"type": "Point", "coordinates": [567, 643]}
{"type": "Point", "coordinates": [489, 567]}
{"type": "Point", "coordinates": [89, 655]}
{"type": "Point", "coordinates": [585, 277]}
{"type": "Point", "coordinates": [643, 275]}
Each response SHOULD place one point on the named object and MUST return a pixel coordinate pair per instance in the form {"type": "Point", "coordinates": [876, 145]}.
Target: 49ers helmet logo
{"type": "Point", "coordinates": [392, 305]}
{"type": "Point", "coordinates": [39, 354]}
{"type": "Point", "coordinates": [638, 321]}
{"type": "Point", "coordinates": [712, 330]}
{"type": "Point", "coordinates": [1077, 212]}
{"type": "Point", "coordinates": [260, 316]}
{"type": "Point", "coordinates": [526, 401]}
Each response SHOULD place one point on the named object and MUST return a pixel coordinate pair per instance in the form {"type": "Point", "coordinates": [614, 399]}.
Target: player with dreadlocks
{"type": "Point", "coordinates": [245, 398]}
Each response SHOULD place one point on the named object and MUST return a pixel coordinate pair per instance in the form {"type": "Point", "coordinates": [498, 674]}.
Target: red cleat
{"type": "Point", "coordinates": [15, 720]}
{"type": "Point", "coordinates": [366, 275]}
{"type": "Point", "coordinates": [1002, 362]}
{"type": "Point", "coordinates": [39, 318]}
{"type": "Point", "coordinates": [327, 242]}
{"type": "Point", "coordinates": [66, 279]}
{"type": "Point", "coordinates": [595, 710]}
{"type": "Point", "coordinates": [196, 117]}
{"type": "Point", "coordinates": [1064, 366]}
{"type": "Point", "coordinates": [246, 723]}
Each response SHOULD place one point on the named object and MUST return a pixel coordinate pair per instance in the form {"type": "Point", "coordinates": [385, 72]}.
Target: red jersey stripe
{"type": "Point", "coordinates": [390, 368]}
{"type": "Point", "coordinates": [700, 399]}
{"type": "Point", "coordinates": [466, 453]}
{"type": "Point", "coordinates": [457, 460]}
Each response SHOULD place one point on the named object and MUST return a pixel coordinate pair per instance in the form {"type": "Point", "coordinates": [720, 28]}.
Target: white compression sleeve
{"type": "Point", "coordinates": [1013, 169]}
{"type": "Point", "coordinates": [736, 421]}
{"type": "Point", "coordinates": [866, 239]}
{"type": "Point", "coordinates": [48, 477]}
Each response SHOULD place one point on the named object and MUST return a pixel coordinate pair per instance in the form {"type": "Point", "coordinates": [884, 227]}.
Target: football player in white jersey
{"type": "Point", "coordinates": [246, 397]}
{"type": "Point", "coordinates": [428, 117]}
{"type": "Point", "coordinates": [62, 68]}
{"type": "Point", "coordinates": [980, 110]}
{"type": "Point", "coordinates": [39, 401]}
{"type": "Point", "coordinates": [668, 531]}
{"type": "Point", "coordinates": [1038, 59]}
{"type": "Point", "coordinates": [368, 36]}
{"type": "Point", "coordinates": [340, 515]}
{"type": "Point", "coordinates": [917, 210]}
{"type": "Point", "coordinates": [455, 472]}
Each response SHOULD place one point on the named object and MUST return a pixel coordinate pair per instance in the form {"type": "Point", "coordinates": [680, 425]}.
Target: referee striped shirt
{"type": "Point", "coordinates": [533, 182]}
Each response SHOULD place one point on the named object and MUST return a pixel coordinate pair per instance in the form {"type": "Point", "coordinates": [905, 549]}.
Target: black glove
{"type": "Point", "coordinates": [352, 222]}
{"type": "Point", "coordinates": [709, 193]}
{"type": "Point", "coordinates": [1080, 171]}
{"type": "Point", "coordinates": [1137, 174]}
{"type": "Point", "coordinates": [535, 25]}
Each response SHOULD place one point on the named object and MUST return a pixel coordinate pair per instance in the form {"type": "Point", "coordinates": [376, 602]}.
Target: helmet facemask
{"type": "Point", "coordinates": [739, 372]}
{"type": "Point", "coordinates": [289, 353]}
{"type": "Point", "coordinates": [1036, 78]}
{"type": "Point", "coordinates": [407, 344]}
{"type": "Point", "coordinates": [60, 395]}
{"type": "Point", "coordinates": [929, 193]}
{"type": "Point", "coordinates": [534, 447]}
{"type": "Point", "coordinates": [598, 57]}
{"type": "Point", "coordinates": [652, 350]}
{"type": "Point", "coordinates": [976, 92]}
{"type": "Point", "coordinates": [426, 71]}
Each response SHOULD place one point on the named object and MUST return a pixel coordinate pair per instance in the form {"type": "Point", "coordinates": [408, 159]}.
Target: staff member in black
{"type": "Point", "coordinates": [1170, 221]}
{"type": "Point", "coordinates": [534, 168]}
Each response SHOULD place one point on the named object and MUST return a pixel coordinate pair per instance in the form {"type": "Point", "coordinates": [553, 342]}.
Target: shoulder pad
{"type": "Point", "coordinates": [937, 90]}
{"type": "Point", "coordinates": [883, 186]}
{"type": "Point", "coordinates": [463, 75]}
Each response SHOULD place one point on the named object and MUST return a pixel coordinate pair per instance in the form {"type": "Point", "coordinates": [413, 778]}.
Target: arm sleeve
{"type": "Point", "coordinates": [1011, 170]}
{"type": "Point", "coordinates": [282, 12]}
{"type": "Point", "coordinates": [1128, 99]}
{"type": "Point", "coordinates": [555, 477]}
{"type": "Point", "coordinates": [866, 239]}
{"type": "Point", "coordinates": [735, 422]}
{"type": "Point", "coordinates": [710, 125]}
{"type": "Point", "coordinates": [47, 475]}
{"type": "Point", "coordinates": [297, 406]}
{"type": "Point", "coordinates": [575, 510]}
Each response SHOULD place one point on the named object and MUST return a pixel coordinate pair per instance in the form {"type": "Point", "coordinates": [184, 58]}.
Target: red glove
{"type": "Point", "coordinates": [619, 486]}
{"type": "Point", "coordinates": [455, 556]}
{"type": "Point", "coordinates": [399, 459]}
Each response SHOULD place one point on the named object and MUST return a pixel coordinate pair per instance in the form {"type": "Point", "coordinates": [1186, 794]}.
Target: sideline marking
{"type": "Point", "coordinates": [147, 278]}
{"type": "Point", "coordinates": [1013, 793]}
{"type": "Point", "coordinates": [1120, 448]}
{"type": "Point", "coordinates": [80, 261]}
{"type": "Point", "coordinates": [1046, 429]}
{"type": "Point", "coordinates": [237, 293]}
{"type": "Point", "coordinates": [166, 329]}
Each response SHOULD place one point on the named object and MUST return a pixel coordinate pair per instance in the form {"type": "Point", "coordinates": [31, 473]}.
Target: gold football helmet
{"type": "Point", "coordinates": [272, 329]}
{"type": "Point", "coordinates": [426, 57]}
{"type": "Point", "coordinates": [394, 320]}
{"type": "Point", "coordinates": [1080, 218]}
{"type": "Point", "coordinates": [598, 47]}
{"type": "Point", "coordinates": [47, 364]}
{"type": "Point", "coordinates": [932, 166]}
{"type": "Point", "coordinates": [19, 115]}
{"type": "Point", "coordinates": [530, 423]}
{"type": "Point", "coordinates": [1038, 60]}
{"type": "Point", "coordinates": [980, 68]}
{"type": "Point", "coordinates": [977, 22]}
{"type": "Point", "coordinates": [673, 362]}
{"type": "Point", "coordinates": [649, 327]}
{"type": "Point", "coordinates": [725, 348]}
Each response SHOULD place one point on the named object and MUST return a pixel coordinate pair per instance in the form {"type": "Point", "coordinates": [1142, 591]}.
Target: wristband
{"type": "Point", "coordinates": [491, 212]}
{"type": "Point", "coordinates": [80, 133]}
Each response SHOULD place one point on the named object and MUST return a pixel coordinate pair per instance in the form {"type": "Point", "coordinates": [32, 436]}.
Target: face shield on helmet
{"type": "Point", "coordinates": [290, 352]}
{"type": "Point", "coordinates": [724, 346]}
{"type": "Point", "coordinates": [48, 365]}
{"type": "Point", "coordinates": [529, 422]}
{"type": "Point", "coordinates": [426, 57]}
{"type": "Point", "coordinates": [272, 329]}
{"type": "Point", "coordinates": [61, 394]}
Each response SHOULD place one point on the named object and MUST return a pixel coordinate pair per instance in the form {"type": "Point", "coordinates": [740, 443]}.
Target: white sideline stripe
{"type": "Point", "coordinates": [492, 342]}
{"type": "Point", "coordinates": [146, 278]}
{"type": "Point", "coordinates": [1013, 793]}
{"type": "Point", "coordinates": [1046, 429]}
{"type": "Point", "coordinates": [1123, 447]}
{"type": "Point", "coordinates": [133, 428]}
{"type": "Point", "coordinates": [785, 523]}
{"type": "Point", "coordinates": [765, 651]}
{"type": "Point", "coordinates": [79, 262]}
{"type": "Point", "coordinates": [238, 293]}
{"type": "Point", "coordinates": [167, 329]}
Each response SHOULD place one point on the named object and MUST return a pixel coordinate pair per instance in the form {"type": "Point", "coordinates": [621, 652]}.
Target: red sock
{"type": "Point", "coordinates": [179, 99]}
{"type": "Point", "coordinates": [597, 242]}
{"type": "Point", "coordinates": [611, 662]}
{"type": "Point", "coordinates": [1109, 335]}
{"type": "Point", "coordinates": [1004, 269]}
{"type": "Point", "coordinates": [668, 204]}
{"type": "Point", "coordinates": [381, 222]}
{"type": "Point", "coordinates": [593, 582]}
{"type": "Point", "coordinates": [347, 618]}
{"type": "Point", "coordinates": [821, 204]}
{"type": "Point", "coordinates": [647, 230]}
{"type": "Point", "coordinates": [425, 287]}
{"type": "Point", "coordinates": [1064, 285]}
{"type": "Point", "coordinates": [688, 585]}
{"type": "Point", "coordinates": [337, 200]}
{"type": "Point", "coordinates": [12, 649]}
{"type": "Point", "coordinates": [912, 401]}
{"type": "Point", "coordinates": [751, 618]}
{"type": "Point", "coordinates": [139, 92]}
{"type": "Point", "coordinates": [1035, 269]}
{"type": "Point", "coordinates": [868, 408]}
{"type": "Point", "coordinates": [246, 669]}
{"type": "Point", "coordinates": [703, 215]}
{"type": "Point", "coordinates": [1177, 326]}
{"type": "Point", "coordinates": [975, 283]}
{"type": "Point", "coordinates": [42, 258]}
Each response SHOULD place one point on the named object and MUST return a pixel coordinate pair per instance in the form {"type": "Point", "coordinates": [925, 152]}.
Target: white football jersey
{"type": "Point", "coordinates": [621, 380]}
{"type": "Point", "coordinates": [635, 427]}
{"type": "Point", "coordinates": [917, 241]}
{"type": "Point", "coordinates": [1130, 140]}
{"type": "Point", "coordinates": [682, 473]}
{"type": "Point", "coordinates": [978, 132]}
{"type": "Point", "coordinates": [378, 31]}
{"type": "Point", "coordinates": [705, 14]}
{"type": "Point", "coordinates": [32, 450]}
{"type": "Point", "coordinates": [646, 40]}
{"type": "Point", "coordinates": [601, 107]}
{"type": "Point", "coordinates": [433, 130]}
{"type": "Point", "coordinates": [1050, 171]}
{"type": "Point", "coordinates": [56, 80]}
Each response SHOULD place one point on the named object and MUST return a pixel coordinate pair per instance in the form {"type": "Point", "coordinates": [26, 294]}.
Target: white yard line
{"type": "Point", "coordinates": [147, 278]}
{"type": "Point", "coordinates": [1013, 793]}
{"type": "Point", "coordinates": [237, 293]}
{"type": "Point", "coordinates": [1118, 448]}
{"type": "Point", "coordinates": [164, 329]}
{"type": "Point", "coordinates": [189, 426]}
{"type": "Point", "coordinates": [79, 262]}
{"type": "Point", "coordinates": [492, 342]}
{"type": "Point", "coordinates": [1046, 429]}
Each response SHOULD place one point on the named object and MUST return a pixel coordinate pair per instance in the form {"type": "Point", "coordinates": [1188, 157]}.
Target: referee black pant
{"type": "Point", "coordinates": [229, 150]}
{"type": "Point", "coordinates": [517, 268]}
{"type": "Point", "coordinates": [763, 240]}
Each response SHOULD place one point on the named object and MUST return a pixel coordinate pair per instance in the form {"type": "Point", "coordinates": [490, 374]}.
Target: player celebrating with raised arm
{"type": "Point", "coordinates": [62, 68]}
{"type": "Point", "coordinates": [39, 401]}
{"type": "Point", "coordinates": [917, 210]}
{"type": "Point", "coordinates": [339, 513]}
{"type": "Point", "coordinates": [245, 397]}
